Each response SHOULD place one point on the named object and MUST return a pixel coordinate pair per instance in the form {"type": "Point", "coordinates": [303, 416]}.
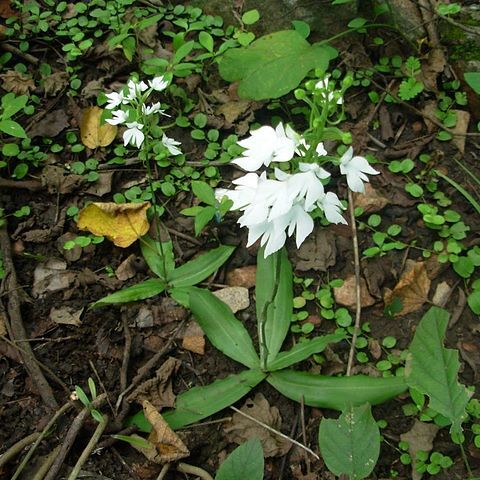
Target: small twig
{"type": "Point", "coordinates": [199, 472]}
{"type": "Point", "coordinates": [466, 28]}
{"type": "Point", "coordinates": [142, 372]}
{"type": "Point", "coordinates": [71, 435]}
{"type": "Point", "coordinates": [89, 448]}
{"type": "Point", "coordinates": [26, 56]}
{"type": "Point", "coordinates": [284, 459]}
{"type": "Point", "coordinates": [16, 324]}
{"type": "Point", "coordinates": [47, 463]}
{"type": "Point", "coordinates": [16, 448]}
{"type": "Point", "coordinates": [358, 302]}
{"type": "Point", "coordinates": [41, 436]}
{"type": "Point", "coordinates": [126, 353]}
{"type": "Point", "coordinates": [276, 432]}
{"type": "Point", "coordinates": [99, 380]}
{"type": "Point", "coordinates": [32, 185]}
{"type": "Point", "coordinates": [163, 471]}
{"type": "Point", "coordinates": [184, 236]}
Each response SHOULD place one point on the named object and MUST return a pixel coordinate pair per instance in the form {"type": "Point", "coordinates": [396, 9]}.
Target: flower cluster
{"type": "Point", "coordinates": [128, 107]}
{"type": "Point", "coordinates": [276, 207]}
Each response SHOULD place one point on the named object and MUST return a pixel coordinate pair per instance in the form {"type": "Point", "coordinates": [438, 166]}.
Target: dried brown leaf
{"type": "Point", "coordinates": [318, 252]}
{"type": "Point", "coordinates": [52, 124]}
{"type": "Point", "coordinates": [92, 132]}
{"type": "Point", "coordinates": [371, 200]}
{"type": "Point", "coordinates": [158, 391]}
{"type": "Point", "coordinates": [243, 429]}
{"type": "Point", "coordinates": [346, 294]}
{"type": "Point", "coordinates": [66, 316]}
{"type": "Point", "coordinates": [168, 447]}
{"type": "Point", "coordinates": [412, 288]}
{"type": "Point", "coordinates": [17, 82]}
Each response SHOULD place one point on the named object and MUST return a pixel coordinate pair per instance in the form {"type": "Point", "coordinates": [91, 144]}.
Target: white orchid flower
{"type": "Point", "coordinates": [264, 146]}
{"type": "Point", "coordinates": [119, 117]}
{"type": "Point", "coordinates": [158, 83]}
{"type": "Point", "coordinates": [244, 192]}
{"type": "Point", "coordinates": [171, 145]}
{"type": "Point", "coordinates": [135, 89]}
{"type": "Point", "coordinates": [332, 207]}
{"type": "Point", "coordinates": [133, 135]}
{"type": "Point", "coordinates": [154, 108]}
{"type": "Point", "coordinates": [327, 93]}
{"type": "Point", "coordinates": [114, 100]}
{"type": "Point", "coordinates": [355, 169]}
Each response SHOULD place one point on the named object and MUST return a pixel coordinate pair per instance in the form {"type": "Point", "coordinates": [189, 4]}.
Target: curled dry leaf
{"type": "Point", "coordinates": [122, 223]}
{"type": "Point", "coordinates": [51, 276]}
{"type": "Point", "coordinates": [158, 391]}
{"type": "Point", "coordinates": [412, 288]}
{"type": "Point", "coordinates": [346, 294]}
{"type": "Point", "coordinates": [17, 82]}
{"type": "Point", "coordinates": [243, 429]}
{"type": "Point", "coordinates": [317, 252]}
{"type": "Point", "coordinates": [92, 132]}
{"type": "Point", "coordinates": [460, 129]}
{"type": "Point", "coordinates": [371, 200]}
{"type": "Point", "coordinates": [419, 437]}
{"type": "Point", "coordinates": [66, 316]}
{"type": "Point", "coordinates": [166, 444]}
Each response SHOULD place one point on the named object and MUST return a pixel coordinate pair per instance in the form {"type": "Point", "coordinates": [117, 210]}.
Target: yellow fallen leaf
{"type": "Point", "coordinates": [412, 288]}
{"type": "Point", "coordinates": [92, 132]}
{"type": "Point", "coordinates": [122, 223]}
{"type": "Point", "coordinates": [167, 444]}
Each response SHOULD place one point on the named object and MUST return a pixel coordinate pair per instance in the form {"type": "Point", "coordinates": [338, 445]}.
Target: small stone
{"type": "Point", "coordinates": [346, 294]}
{"type": "Point", "coordinates": [242, 277]}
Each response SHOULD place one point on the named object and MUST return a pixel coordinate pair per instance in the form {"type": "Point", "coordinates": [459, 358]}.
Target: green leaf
{"type": "Point", "coordinates": [12, 104]}
{"type": "Point", "coordinates": [473, 80]}
{"type": "Point", "coordinates": [12, 128]}
{"type": "Point", "coordinates": [251, 17]}
{"type": "Point", "coordinates": [226, 333]}
{"type": "Point", "coordinates": [274, 302]}
{"type": "Point", "coordinates": [200, 268]}
{"type": "Point", "coordinates": [183, 51]}
{"type": "Point", "coordinates": [303, 350]}
{"type": "Point", "coordinates": [200, 402]}
{"type": "Point", "coordinates": [206, 40]}
{"type": "Point", "coordinates": [152, 253]}
{"type": "Point", "coordinates": [350, 445]}
{"type": "Point", "coordinates": [204, 192]}
{"type": "Point", "coordinates": [135, 441]}
{"type": "Point", "coordinates": [303, 28]}
{"type": "Point", "coordinates": [432, 369]}
{"type": "Point", "coordinates": [141, 291]}
{"type": "Point", "coordinates": [474, 302]}
{"type": "Point", "coordinates": [181, 295]}
{"type": "Point", "coordinates": [273, 65]}
{"type": "Point", "coordinates": [202, 218]}
{"type": "Point", "coordinates": [245, 462]}
{"type": "Point", "coordinates": [336, 393]}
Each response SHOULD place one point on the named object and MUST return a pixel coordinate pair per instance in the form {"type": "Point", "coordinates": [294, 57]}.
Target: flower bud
{"type": "Point", "coordinates": [347, 138]}
{"type": "Point", "coordinates": [347, 82]}
{"type": "Point", "coordinates": [300, 94]}
{"type": "Point", "coordinates": [310, 85]}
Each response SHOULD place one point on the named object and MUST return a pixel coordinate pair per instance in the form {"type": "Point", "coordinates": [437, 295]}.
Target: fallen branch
{"type": "Point", "coordinates": [16, 448]}
{"type": "Point", "coordinates": [17, 328]}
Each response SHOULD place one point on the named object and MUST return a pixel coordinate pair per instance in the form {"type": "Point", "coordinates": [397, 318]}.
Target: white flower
{"type": "Point", "coordinates": [244, 192]}
{"type": "Point", "coordinates": [327, 93]}
{"type": "Point", "coordinates": [114, 100]}
{"type": "Point", "coordinates": [134, 134]}
{"type": "Point", "coordinates": [264, 146]}
{"type": "Point", "coordinates": [154, 108]}
{"type": "Point", "coordinates": [119, 116]}
{"type": "Point", "coordinates": [135, 89]}
{"type": "Point", "coordinates": [171, 145]}
{"type": "Point", "coordinates": [158, 83]}
{"type": "Point", "coordinates": [332, 207]}
{"type": "Point", "coordinates": [355, 169]}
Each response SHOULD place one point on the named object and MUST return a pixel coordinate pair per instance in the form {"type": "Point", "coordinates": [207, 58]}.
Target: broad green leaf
{"type": "Point", "coordinates": [273, 65]}
{"type": "Point", "coordinates": [226, 333]}
{"type": "Point", "coordinates": [336, 392]}
{"type": "Point", "coordinates": [12, 128]}
{"type": "Point", "coordinates": [204, 192]}
{"type": "Point", "coordinates": [181, 295]}
{"type": "Point", "coordinates": [202, 218]}
{"type": "Point", "coordinates": [274, 297]}
{"type": "Point", "coordinates": [303, 350]}
{"type": "Point", "coordinates": [183, 51]}
{"type": "Point", "coordinates": [350, 445]}
{"type": "Point", "coordinates": [473, 79]}
{"type": "Point", "coordinates": [245, 462]}
{"type": "Point", "coordinates": [12, 104]}
{"type": "Point", "coordinates": [432, 369]}
{"type": "Point", "coordinates": [206, 40]}
{"type": "Point", "coordinates": [251, 17]}
{"type": "Point", "coordinates": [159, 256]}
{"type": "Point", "coordinates": [200, 402]}
{"type": "Point", "coordinates": [200, 268]}
{"type": "Point", "coordinates": [141, 291]}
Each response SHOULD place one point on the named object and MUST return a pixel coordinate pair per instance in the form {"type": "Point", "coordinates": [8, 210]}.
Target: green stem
{"type": "Point", "coordinates": [465, 461]}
